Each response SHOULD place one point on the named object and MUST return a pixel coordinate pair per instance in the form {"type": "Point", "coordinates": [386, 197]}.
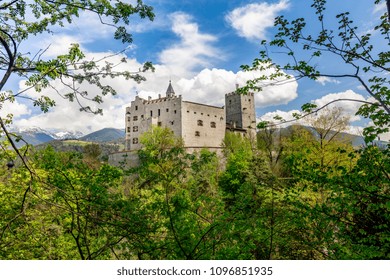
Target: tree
{"type": "Point", "coordinates": [341, 203]}
{"type": "Point", "coordinates": [20, 20]}
{"type": "Point", "coordinates": [347, 45]}
{"type": "Point", "coordinates": [180, 203]}
{"type": "Point", "coordinates": [69, 211]}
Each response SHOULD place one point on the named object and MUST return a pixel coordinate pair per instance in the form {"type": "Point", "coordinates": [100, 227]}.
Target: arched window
{"type": "Point", "coordinates": [200, 123]}
{"type": "Point", "coordinates": [213, 125]}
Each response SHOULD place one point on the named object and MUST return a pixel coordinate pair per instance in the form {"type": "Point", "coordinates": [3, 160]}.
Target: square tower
{"type": "Point", "coordinates": [240, 111]}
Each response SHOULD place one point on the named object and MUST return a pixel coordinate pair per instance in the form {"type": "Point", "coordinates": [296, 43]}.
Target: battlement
{"type": "Point", "coordinates": [162, 99]}
{"type": "Point", "coordinates": [235, 93]}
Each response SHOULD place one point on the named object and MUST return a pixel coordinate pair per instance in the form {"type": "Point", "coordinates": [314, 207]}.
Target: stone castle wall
{"type": "Point", "coordinates": [200, 125]}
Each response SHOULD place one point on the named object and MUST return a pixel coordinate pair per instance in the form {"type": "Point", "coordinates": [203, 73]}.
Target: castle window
{"type": "Point", "coordinates": [135, 140]}
{"type": "Point", "coordinates": [136, 108]}
{"type": "Point", "coordinates": [135, 128]}
{"type": "Point", "coordinates": [151, 113]}
{"type": "Point", "coordinates": [213, 125]}
{"type": "Point", "coordinates": [128, 129]}
{"type": "Point", "coordinates": [249, 100]}
{"type": "Point", "coordinates": [194, 113]}
{"type": "Point", "coordinates": [135, 118]}
{"type": "Point", "coordinates": [188, 111]}
{"type": "Point", "coordinates": [200, 123]}
{"type": "Point", "coordinates": [167, 110]}
{"type": "Point", "coordinates": [197, 133]}
{"type": "Point", "coordinates": [159, 112]}
{"type": "Point", "coordinates": [128, 119]}
{"type": "Point", "coordinates": [142, 116]}
{"type": "Point", "coordinates": [159, 124]}
{"type": "Point", "coordinates": [201, 114]}
{"type": "Point", "coordinates": [174, 111]}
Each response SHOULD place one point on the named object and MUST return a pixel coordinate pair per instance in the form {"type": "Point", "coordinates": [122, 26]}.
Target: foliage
{"type": "Point", "coordinates": [336, 196]}
{"type": "Point", "coordinates": [61, 188]}
{"type": "Point", "coordinates": [20, 20]}
{"type": "Point", "coordinates": [178, 200]}
{"type": "Point", "coordinates": [300, 193]}
{"type": "Point", "coordinates": [347, 45]}
{"type": "Point", "coordinates": [176, 205]}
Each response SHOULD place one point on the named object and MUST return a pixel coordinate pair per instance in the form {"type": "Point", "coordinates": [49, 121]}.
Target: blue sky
{"type": "Point", "coordinates": [199, 45]}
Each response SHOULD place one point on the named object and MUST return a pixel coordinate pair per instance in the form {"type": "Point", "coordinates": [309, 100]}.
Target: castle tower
{"type": "Point", "coordinates": [170, 92]}
{"type": "Point", "coordinates": [240, 111]}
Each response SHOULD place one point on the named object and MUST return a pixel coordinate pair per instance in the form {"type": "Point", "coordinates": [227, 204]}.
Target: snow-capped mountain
{"type": "Point", "coordinates": [37, 135]}
{"type": "Point", "coordinates": [67, 135]}
{"type": "Point", "coordinates": [55, 135]}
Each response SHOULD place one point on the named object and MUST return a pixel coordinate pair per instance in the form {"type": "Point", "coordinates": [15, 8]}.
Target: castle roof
{"type": "Point", "coordinates": [170, 90]}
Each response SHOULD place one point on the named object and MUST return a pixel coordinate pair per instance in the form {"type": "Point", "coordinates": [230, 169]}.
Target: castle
{"type": "Point", "coordinates": [199, 125]}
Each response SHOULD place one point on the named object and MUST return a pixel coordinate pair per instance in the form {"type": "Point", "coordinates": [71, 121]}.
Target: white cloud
{"type": "Point", "coordinates": [324, 80]}
{"type": "Point", "coordinates": [252, 21]}
{"type": "Point", "coordinates": [58, 44]}
{"type": "Point", "coordinates": [67, 116]}
{"type": "Point", "coordinates": [195, 49]}
{"type": "Point", "coordinates": [210, 87]}
{"type": "Point", "coordinates": [15, 108]}
{"type": "Point", "coordinates": [349, 107]}
{"type": "Point", "coordinates": [287, 116]}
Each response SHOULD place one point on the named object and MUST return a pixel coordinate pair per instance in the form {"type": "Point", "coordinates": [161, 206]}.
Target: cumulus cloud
{"type": "Point", "coordinates": [15, 108]}
{"type": "Point", "coordinates": [67, 116]}
{"type": "Point", "coordinates": [324, 80]}
{"type": "Point", "coordinates": [193, 44]}
{"type": "Point", "coordinates": [349, 109]}
{"type": "Point", "coordinates": [285, 115]}
{"type": "Point", "coordinates": [252, 21]}
{"type": "Point", "coordinates": [210, 86]}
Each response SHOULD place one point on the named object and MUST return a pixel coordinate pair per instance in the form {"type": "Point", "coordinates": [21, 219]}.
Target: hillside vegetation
{"type": "Point", "coordinates": [288, 196]}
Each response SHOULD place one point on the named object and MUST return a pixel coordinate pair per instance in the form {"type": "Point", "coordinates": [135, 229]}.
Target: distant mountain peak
{"type": "Point", "coordinates": [104, 135]}
{"type": "Point", "coordinates": [55, 134]}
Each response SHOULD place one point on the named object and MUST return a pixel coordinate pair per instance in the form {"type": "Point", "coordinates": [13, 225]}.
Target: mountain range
{"type": "Point", "coordinates": [37, 136]}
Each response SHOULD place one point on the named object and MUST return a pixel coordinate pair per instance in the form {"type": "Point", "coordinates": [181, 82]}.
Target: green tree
{"type": "Point", "coordinates": [253, 219]}
{"type": "Point", "coordinates": [72, 210]}
{"type": "Point", "coordinates": [347, 45]}
{"type": "Point", "coordinates": [180, 203]}
{"type": "Point", "coordinates": [20, 20]}
{"type": "Point", "coordinates": [343, 214]}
